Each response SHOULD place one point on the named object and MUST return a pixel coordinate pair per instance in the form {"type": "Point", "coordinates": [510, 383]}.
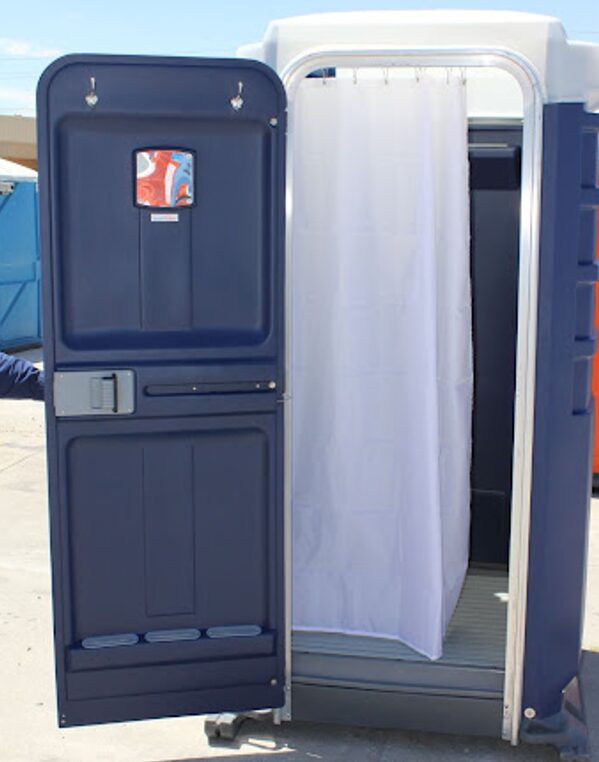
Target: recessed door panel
{"type": "Point", "coordinates": [191, 547]}
{"type": "Point", "coordinates": [132, 274]}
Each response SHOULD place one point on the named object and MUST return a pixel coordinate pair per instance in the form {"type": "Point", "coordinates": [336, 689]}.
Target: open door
{"type": "Point", "coordinates": [162, 215]}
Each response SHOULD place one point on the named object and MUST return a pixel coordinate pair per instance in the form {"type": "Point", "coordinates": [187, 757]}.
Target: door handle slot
{"type": "Point", "coordinates": [104, 394]}
{"type": "Point", "coordinates": [211, 387]}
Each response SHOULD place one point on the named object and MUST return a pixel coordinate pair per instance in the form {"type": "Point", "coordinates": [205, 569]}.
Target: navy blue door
{"type": "Point", "coordinates": [161, 189]}
{"type": "Point", "coordinates": [564, 410]}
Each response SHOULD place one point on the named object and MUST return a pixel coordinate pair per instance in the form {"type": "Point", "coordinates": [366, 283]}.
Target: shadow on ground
{"type": "Point", "coordinates": [260, 741]}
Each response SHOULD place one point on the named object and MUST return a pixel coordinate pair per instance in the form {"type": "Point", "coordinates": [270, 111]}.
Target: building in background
{"type": "Point", "coordinates": [17, 140]}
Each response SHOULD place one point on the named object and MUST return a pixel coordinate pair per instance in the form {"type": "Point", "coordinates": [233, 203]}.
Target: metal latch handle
{"type": "Point", "coordinates": [115, 392]}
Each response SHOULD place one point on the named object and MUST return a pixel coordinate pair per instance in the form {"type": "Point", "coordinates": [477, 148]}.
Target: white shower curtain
{"type": "Point", "coordinates": [381, 356]}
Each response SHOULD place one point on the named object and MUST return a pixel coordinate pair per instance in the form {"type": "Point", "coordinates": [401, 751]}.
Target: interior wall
{"type": "Point", "coordinates": [495, 230]}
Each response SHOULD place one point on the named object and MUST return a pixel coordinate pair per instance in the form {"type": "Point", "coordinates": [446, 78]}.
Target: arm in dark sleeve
{"type": "Point", "coordinates": [19, 379]}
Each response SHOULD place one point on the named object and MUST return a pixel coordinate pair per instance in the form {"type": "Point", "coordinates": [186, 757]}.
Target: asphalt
{"type": "Point", "coordinates": [28, 730]}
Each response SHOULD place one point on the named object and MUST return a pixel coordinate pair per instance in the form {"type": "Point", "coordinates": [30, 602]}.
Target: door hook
{"type": "Point", "coordinates": [92, 98]}
{"type": "Point", "coordinates": [237, 100]}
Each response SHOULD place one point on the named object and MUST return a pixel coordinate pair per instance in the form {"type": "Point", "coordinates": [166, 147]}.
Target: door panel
{"type": "Point", "coordinates": [166, 512]}
{"type": "Point", "coordinates": [132, 282]}
{"type": "Point", "coordinates": [190, 550]}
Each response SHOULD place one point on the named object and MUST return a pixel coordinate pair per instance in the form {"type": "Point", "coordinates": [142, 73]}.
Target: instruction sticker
{"type": "Point", "coordinates": [164, 217]}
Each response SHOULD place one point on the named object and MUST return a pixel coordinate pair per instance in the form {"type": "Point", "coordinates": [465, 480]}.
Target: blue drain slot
{"type": "Point", "coordinates": [172, 636]}
{"type": "Point", "coordinates": [110, 641]}
{"type": "Point", "coordinates": [234, 631]}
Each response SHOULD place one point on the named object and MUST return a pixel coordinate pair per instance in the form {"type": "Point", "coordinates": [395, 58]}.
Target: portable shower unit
{"type": "Point", "coordinates": [19, 257]}
{"type": "Point", "coordinates": [338, 467]}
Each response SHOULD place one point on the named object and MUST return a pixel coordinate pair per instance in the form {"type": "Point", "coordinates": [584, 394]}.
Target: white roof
{"type": "Point", "coordinates": [568, 71]}
{"type": "Point", "coordinates": [9, 170]}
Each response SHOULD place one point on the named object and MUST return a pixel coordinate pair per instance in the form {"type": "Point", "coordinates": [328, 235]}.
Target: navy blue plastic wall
{"type": "Point", "coordinates": [563, 406]}
{"type": "Point", "coordinates": [19, 267]}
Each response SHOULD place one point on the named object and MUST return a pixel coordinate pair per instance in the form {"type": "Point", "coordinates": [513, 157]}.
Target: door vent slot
{"type": "Point", "coordinates": [110, 641]}
{"type": "Point", "coordinates": [235, 631]}
{"type": "Point", "coordinates": [172, 636]}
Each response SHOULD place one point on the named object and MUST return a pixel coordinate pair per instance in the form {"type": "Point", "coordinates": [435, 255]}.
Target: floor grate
{"type": "Point", "coordinates": [475, 637]}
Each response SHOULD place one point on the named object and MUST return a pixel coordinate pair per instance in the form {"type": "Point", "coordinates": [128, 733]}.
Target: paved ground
{"type": "Point", "coordinates": [27, 714]}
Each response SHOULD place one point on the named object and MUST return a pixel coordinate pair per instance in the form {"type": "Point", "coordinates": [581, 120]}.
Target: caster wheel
{"type": "Point", "coordinates": [223, 727]}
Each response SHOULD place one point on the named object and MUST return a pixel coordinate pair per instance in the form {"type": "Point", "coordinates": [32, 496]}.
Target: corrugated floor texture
{"type": "Point", "coordinates": [475, 636]}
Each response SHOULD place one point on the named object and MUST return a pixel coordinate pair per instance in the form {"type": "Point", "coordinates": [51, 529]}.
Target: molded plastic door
{"type": "Point", "coordinates": [162, 234]}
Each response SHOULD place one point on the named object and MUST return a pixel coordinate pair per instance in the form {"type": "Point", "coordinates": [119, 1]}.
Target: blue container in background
{"type": "Point", "coordinates": [19, 257]}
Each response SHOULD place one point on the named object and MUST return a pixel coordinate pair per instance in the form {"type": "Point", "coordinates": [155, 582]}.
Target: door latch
{"type": "Point", "coordinates": [100, 392]}
{"type": "Point", "coordinates": [104, 395]}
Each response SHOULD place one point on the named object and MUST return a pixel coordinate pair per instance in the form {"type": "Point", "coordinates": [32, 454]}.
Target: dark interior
{"type": "Point", "coordinates": [495, 229]}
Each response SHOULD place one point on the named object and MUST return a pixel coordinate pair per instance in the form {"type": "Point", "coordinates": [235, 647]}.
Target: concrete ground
{"type": "Point", "coordinates": [28, 731]}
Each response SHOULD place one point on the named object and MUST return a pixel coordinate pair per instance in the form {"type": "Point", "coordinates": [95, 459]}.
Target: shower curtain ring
{"type": "Point", "coordinates": [386, 75]}
{"type": "Point", "coordinates": [463, 75]}
{"type": "Point", "coordinates": [355, 76]}
{"type": "Point", "coordinates": [324, 76]}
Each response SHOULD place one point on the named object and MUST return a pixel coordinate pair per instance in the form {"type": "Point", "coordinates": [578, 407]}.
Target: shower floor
{"type": "Point", "coordinates": [475, 637]}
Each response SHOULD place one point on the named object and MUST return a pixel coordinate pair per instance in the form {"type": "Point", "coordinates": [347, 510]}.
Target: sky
{"type": "Point", "coordinates": [34, 32]}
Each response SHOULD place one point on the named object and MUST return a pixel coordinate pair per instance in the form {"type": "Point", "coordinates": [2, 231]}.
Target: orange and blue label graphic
{"type": "Point", "coordinates": [164, 178]}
